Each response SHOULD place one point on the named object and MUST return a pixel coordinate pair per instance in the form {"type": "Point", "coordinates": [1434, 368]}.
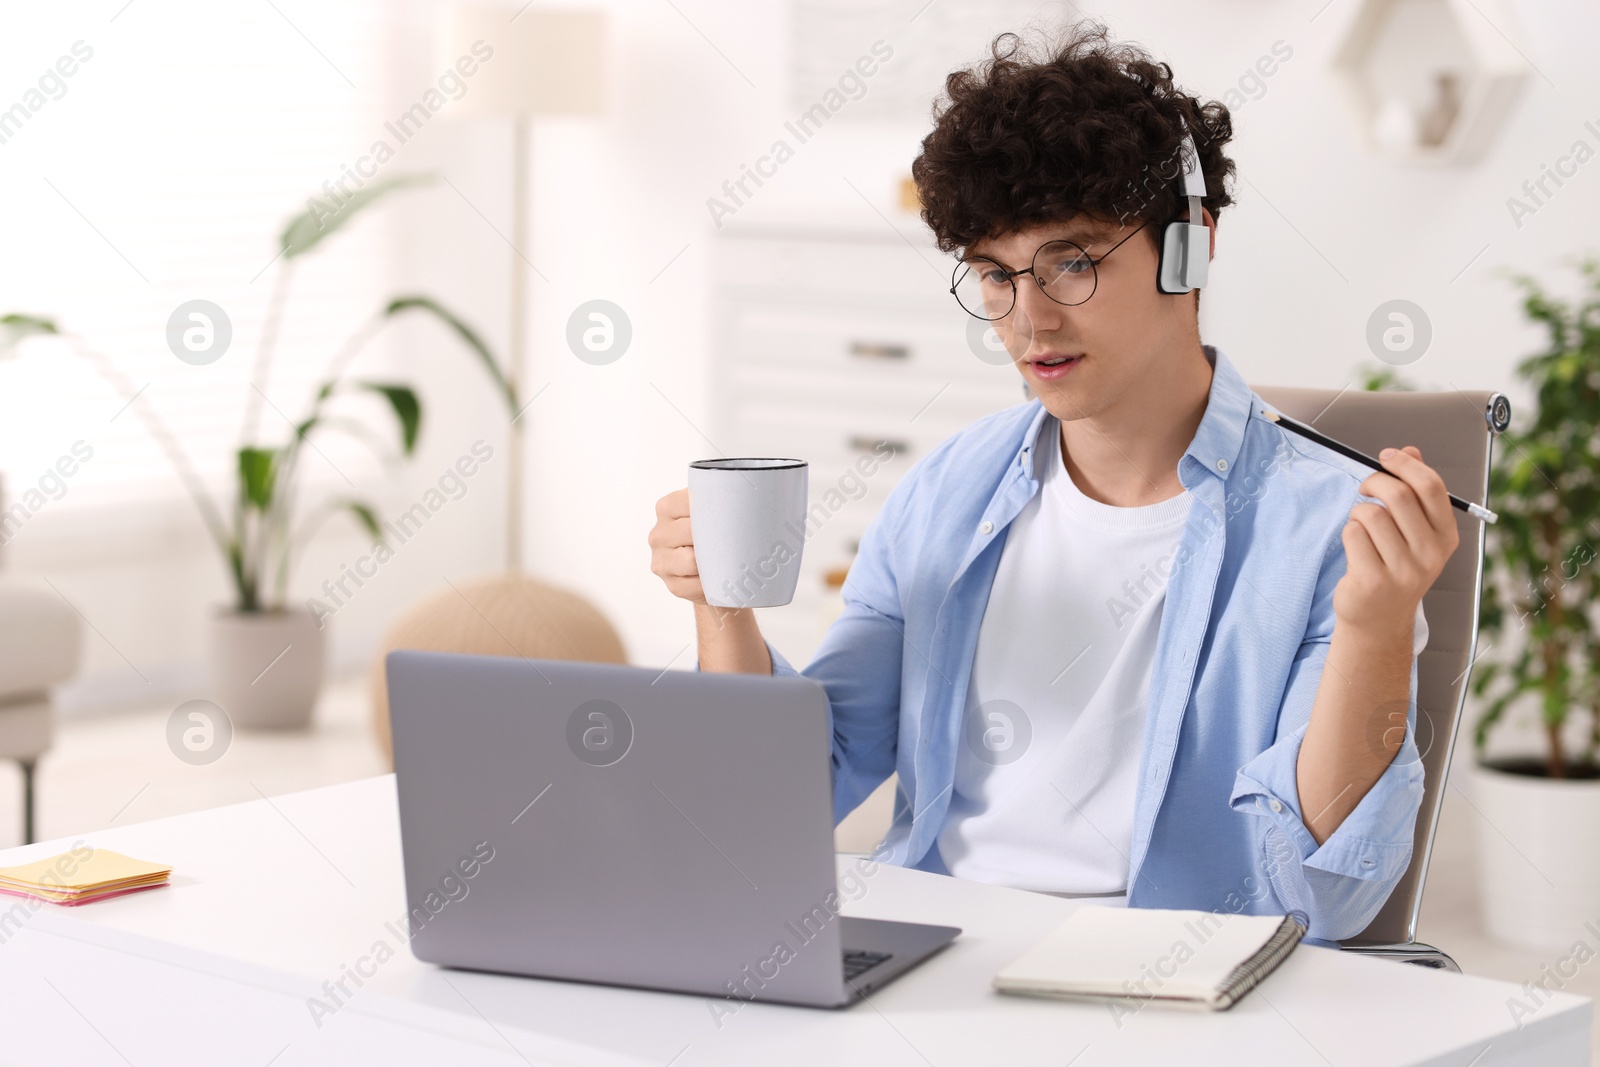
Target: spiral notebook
{"type": "Point", "coordinates": [1192, 959]}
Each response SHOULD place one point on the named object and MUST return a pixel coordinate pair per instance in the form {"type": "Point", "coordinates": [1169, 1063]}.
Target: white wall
{"type": "Point", "coordinates": [617, 199]}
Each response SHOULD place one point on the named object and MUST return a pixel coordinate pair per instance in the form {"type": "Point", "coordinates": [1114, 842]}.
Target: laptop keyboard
{"type": "Point", "coordinates": [858, 962]}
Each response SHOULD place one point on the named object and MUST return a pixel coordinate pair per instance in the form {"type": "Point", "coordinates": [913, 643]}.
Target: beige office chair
{"type": "Point", "coordinates": [1454, 431]}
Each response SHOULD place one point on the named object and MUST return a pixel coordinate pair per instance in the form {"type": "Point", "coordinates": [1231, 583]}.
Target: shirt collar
{"type": "Point", "coordinates": [1217, 443]}
{"type": "Point", "coordinates": [1220, 438]}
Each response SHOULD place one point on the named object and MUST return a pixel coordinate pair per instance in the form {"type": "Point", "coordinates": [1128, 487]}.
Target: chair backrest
{"type": "Point", "coordinates": [1452, 430]}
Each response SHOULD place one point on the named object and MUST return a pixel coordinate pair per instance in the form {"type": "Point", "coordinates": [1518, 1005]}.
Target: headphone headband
{"type": "Point", "coordinates": [1186, 246]}
{"type": "Point", "coordinates": [1194, 179]}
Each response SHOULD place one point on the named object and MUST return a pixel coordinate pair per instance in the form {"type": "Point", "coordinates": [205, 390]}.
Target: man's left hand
{"type": "Point", "coordinates": [1395, 551]}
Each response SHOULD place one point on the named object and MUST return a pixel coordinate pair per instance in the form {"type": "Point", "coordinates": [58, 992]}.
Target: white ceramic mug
{"type": "Point", "coordinates": [748, 521]}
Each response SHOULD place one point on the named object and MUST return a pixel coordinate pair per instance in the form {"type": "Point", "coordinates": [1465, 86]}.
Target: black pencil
{"type": "Point", "coordinates": [1475, 510]}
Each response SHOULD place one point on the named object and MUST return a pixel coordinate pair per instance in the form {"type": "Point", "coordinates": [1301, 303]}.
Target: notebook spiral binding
{"type": "Point", "coordinates": [1250, 973]}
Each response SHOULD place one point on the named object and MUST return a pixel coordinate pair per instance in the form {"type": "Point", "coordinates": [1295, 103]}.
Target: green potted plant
{"type": "Point", "coordinates": [1540, 833]}
{"type": "Point", "coordinates": [264, 656]}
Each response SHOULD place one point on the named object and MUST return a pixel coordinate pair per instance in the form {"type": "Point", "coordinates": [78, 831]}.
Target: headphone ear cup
{"type": "Point", "coordinates": [1197, 256]}
{"type": "Point", "coordinates": [1185, 257]}
{"type": "Point", "coordinates": [1174, 254]}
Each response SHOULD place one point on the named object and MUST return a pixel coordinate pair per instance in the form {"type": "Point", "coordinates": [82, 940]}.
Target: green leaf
{"type": "Point", "coordinates": [322, 217]}
{"type": "Point", "coordinates": [354, 427]}
{"type": "Point", "coordinates": [16, 327]}
{"type": "Point", "coordinates": [23, 324]}
{"type": "Point", "coordinates": [407, 408]}
{"type": "Point", "coordinates": [258, 468]}
{"type": "Point", "coordinates": [364, 514]}
{"type": "Point", "coordinates": [466, 333]}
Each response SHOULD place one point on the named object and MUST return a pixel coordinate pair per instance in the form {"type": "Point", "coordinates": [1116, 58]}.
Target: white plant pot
{"type": "Point", "coordinates": [265, 668]}
{"type": "Point", "coordinates": [1538, 863]}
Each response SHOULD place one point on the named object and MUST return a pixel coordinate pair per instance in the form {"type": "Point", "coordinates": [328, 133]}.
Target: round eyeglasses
{"type": "Point", "coordinates": [1064, 271]}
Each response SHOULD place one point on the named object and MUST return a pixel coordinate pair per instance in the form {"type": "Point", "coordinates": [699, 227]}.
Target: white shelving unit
{"type": "Point", "coordinates": [828, 342]}
{"type": "Point", "coordinates": [1430, 81]}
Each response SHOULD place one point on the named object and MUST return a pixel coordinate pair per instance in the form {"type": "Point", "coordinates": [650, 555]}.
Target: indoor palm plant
{"type": "Point", "coordinates": [265, 657]}
{"type": "Point", "coordinates": [1540, 844]}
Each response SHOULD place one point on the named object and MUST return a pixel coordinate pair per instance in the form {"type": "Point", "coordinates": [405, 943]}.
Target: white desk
{"type": "Point", "coordinates": [280, 896]}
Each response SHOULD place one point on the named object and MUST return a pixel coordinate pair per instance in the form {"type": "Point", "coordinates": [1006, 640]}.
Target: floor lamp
{"type": "Point", "coordinates": [543, 62]}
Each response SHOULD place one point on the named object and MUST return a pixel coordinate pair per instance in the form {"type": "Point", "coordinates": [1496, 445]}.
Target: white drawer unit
{"type": "Point", "coordinates": [867, 346]}
{"type": "Point", "coordinates": [870, 269]}
{"type": "Point", "coordinates": [837, 347]}
{"type": "Point", "coordinates": [842, 431]}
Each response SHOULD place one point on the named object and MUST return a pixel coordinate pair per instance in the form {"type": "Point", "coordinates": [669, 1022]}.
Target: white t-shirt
{"type": "Point", "coordinates": [1048, 764]}
{"type": "Point", "coordinates": [1049, 760]}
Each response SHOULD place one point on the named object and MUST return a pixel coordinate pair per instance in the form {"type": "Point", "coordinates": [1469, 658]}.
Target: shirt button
{"type": "Point", "coordinates": [1276, 806]}
{"type": "Point", "coordinates": [1222, 464]}
{"type": "Point", "coordinates": [987, 527]}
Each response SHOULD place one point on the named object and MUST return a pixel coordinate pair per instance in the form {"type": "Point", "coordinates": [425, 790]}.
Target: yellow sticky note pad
{"type": "Point", "coordinates": [83, 871]}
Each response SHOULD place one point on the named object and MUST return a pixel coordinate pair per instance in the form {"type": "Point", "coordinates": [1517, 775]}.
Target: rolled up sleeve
{"type": "Point", "coordinates": [1342, 883]}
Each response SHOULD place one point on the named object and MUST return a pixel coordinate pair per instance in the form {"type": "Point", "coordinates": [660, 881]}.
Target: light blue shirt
{"type": "Point", "coordinates": [1240, 652]}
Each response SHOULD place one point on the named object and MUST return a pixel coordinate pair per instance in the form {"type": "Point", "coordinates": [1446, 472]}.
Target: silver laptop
{"type": "Point", "coordinates": [667, 830]}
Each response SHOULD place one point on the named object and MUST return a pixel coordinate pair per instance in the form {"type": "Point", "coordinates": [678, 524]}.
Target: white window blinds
{"type": "Point", "coordinates": [161, 169]}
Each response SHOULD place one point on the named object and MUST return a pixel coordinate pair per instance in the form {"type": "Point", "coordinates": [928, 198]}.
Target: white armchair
{"type": "Point", "coordinates": [40, 642]}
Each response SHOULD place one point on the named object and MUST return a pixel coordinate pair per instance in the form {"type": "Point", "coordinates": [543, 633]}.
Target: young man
{"type": "Point", "coordinates": [1128, 640]}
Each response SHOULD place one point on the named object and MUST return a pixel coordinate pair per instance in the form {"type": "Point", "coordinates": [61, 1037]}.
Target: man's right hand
{"type": "Point", "coordinates": [672, 548]}
{"type": "Point", "coordinates": [729, 638]}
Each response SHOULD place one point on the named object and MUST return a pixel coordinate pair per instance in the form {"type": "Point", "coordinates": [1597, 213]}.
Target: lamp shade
{"type": "Point", "coordinates": [544, 61]}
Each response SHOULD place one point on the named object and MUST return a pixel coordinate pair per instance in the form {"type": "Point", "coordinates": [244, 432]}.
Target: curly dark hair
{"type": "Point", "coordinates": [1092, 127]}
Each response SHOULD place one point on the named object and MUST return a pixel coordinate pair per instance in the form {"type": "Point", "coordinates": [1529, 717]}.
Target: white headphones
{"type": "Point", "coordinates": [1186, 246]}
